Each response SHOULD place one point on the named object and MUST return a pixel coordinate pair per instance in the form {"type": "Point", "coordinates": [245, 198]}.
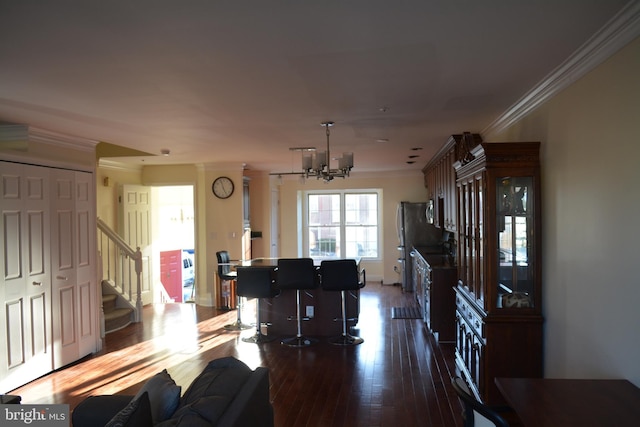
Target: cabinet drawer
{"type": "Point", "coordinates": [472, 318]}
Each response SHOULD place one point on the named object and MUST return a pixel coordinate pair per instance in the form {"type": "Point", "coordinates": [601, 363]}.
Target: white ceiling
{"type": "Point", "coordinates": [243, 81]}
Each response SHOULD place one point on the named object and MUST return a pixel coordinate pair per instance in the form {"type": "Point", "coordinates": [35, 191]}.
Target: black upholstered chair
{"type": "Point", "coordinates": [476, 414]}
{"type": "Point", "coordinates": [343, 276]}
{"type": "Point", "coordinates": [225, 273]}
{"type": "Point", "coordinates": [256, 282]}
{"type": "Point", "coordinates": [297, 274]}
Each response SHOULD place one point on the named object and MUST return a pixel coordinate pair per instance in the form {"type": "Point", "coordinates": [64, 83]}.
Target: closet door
{"type": "Point", "coordinates": [25, 291]}
{"type": "Point", "coordinates": [74, 285]}
{"type": "Point", "coordinates": [63, 264]}
{"type": "Point", "coordinates": [85, 254]}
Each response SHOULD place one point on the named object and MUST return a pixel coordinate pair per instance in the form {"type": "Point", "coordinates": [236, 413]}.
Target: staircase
{"type": "Point", "coordinates": [116, 316]}
{"type": "Point", "coordinates": [121, 270]}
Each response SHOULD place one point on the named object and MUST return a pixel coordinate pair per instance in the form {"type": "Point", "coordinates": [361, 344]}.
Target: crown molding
{"type": "Point", "coordinates": [222, 166]}
{"type": "Point", "coordinates": [115, 165]}
{"type": "Point", "coordinates": [61, 140]}
{"type": "Point", "coordinates": [12, 133]}
{"type": "Point", "coordinates": [23, 134]}
{"type": "Point", "coordinates": [613, 36]}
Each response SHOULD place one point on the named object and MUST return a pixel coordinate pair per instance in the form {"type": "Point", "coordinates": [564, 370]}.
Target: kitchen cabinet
{"type": "Point", "coordinates": [498, 294]}
{"type": "Point", "coordinates": [440, 181]}
{"type": "Point", "coordinates": [435, 278]}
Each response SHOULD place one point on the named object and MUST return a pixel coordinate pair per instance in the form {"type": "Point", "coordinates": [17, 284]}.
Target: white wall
{"type": "Point", "coordinates": [590, 136]}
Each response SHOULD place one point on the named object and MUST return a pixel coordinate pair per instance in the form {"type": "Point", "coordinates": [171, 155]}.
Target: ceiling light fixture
{"type": "Point", "coordinates": [318, 164]}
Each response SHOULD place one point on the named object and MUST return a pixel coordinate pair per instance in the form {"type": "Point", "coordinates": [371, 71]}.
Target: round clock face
{"type": "Point", "coordinates": [222, 187]}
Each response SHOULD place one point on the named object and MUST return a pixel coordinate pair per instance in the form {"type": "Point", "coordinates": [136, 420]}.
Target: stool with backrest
{"type": "Point", "coordinates": [298, 274]}
{"type": "Point", "coordinates": [258, 283]}
{"type": "Point", "coordinates": [343, 276]}
{"type": "Point", "coordinates": [225, 273]}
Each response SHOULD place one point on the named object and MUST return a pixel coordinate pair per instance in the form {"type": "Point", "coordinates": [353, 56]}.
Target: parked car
{"type": "Point", "coordinates": [188, 273]}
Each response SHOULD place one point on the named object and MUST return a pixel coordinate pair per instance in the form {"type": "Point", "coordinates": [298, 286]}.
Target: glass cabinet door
{"type": "Point", "coordinates": [479, 237]}
{"type": "Point", "coordinates": [516, 284]}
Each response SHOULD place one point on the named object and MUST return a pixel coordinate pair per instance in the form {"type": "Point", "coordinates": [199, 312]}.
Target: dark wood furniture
{"type": "Point", "coordinates": [498, 295]}
{"type": "Point", "coordinates": [541, 402]}
{"type": "Point", "coordinates": [435, 277]}
{"type": "Point", "coordinates": [440, 181]}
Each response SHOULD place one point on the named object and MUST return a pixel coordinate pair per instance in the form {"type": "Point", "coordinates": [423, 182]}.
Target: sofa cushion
{"type": "Point", "coordinates": [98, 410]}
{"type": "Point", "coordinates": [164, 396]}
{"type": "Point", "coordinates": [209, 395]}
{"type": "Point", "coordinates": [136, 414]}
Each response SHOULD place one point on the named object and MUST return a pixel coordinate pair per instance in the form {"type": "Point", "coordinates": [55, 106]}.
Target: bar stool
{"type": "Point", "coordinates": [342, 275]}
{"type": "Point", "coordinates": [298, 274]}
{"type": "Point", "coordinates": [256, 282]}
{"type": "Point", "coordinates": [226, 274]}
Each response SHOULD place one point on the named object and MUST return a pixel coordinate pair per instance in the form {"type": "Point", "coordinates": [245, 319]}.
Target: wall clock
{"type": "Point", "coordinates": [222, 187]}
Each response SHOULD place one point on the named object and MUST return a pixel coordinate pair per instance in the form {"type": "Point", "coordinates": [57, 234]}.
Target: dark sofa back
{"type": "Point", "coordinates": [226, 393]}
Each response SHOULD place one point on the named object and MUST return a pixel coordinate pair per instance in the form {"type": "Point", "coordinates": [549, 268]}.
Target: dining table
{"type": "Point", "coordinates": [541, 402]}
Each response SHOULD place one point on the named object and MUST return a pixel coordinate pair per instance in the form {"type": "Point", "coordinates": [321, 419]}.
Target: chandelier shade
{"type": "Point", "coordinates": [318, 163]}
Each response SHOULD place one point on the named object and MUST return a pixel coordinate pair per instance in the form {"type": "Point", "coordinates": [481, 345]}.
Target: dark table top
{"type": "Point", "coordinates": [541, 402]}
{"type": "Point", "coordinates": [273, 262]}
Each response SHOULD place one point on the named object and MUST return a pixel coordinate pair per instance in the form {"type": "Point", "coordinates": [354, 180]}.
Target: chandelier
{"type": "Point", "coordinates": [318, 164]}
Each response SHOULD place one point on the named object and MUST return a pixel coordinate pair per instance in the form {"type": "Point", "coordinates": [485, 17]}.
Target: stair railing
{"type": "Point", "coordinates": [121, 265]}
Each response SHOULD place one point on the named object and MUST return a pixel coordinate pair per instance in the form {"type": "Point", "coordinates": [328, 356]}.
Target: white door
{"type": "Point", "coordinates": [135, 228]}
{"type": "Point", "coordinates": [88, 291]}
{"type": "Point", "coordinates": [25, 291]}
{"type": "Point", "coordinates": [66, 345]}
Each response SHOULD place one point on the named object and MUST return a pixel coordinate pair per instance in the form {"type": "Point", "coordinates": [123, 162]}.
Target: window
{"type": "Point", "coordinates": [342, 224]}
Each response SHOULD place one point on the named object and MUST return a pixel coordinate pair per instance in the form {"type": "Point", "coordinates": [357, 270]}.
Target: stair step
{"type": "Point", "coordinates": [109, 302]}
{"type": "Point", "coordinates": [117, 319]}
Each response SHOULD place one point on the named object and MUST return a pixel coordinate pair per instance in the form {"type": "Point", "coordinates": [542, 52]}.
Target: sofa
{"type": "Point", "coordinates": [226, 393]}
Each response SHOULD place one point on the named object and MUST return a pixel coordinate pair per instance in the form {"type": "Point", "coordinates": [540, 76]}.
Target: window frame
{"type": "Point", "coordinates": [342, 227]}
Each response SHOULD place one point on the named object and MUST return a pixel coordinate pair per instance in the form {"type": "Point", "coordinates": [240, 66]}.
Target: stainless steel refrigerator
{"type": "Point", "coordinates": [413, 230]}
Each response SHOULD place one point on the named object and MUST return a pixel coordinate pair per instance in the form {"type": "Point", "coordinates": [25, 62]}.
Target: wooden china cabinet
{"type": "Point", "coordinates": [498, 295]}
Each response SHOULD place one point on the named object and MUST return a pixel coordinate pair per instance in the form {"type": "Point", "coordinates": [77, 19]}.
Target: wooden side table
{"type": "Point", "coordinates": [226, 293]}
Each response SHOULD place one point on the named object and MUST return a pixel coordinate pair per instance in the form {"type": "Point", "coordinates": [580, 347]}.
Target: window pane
{"type": "Point", "coordinates": [324, 225]}
{"type": "Point", "coordinates": [361, 209]}
{"type": "Point", "coordinates": [361, 220]}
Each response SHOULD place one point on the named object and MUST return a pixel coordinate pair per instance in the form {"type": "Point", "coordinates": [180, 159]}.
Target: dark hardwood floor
{"type": "Point", "coordinates": [398, 376]}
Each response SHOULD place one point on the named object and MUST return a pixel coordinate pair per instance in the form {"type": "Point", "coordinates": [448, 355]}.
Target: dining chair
{"type": "Point", "coordinates": [476, 413]}
{"type": "Point", "coordinates": [298, 274]}
{"type": "Point", "coordinates": [258, 283]}
{"type": "Point", "coordinates": [342, 275]}
{"type": "Point", "coordinates": [225, 273]}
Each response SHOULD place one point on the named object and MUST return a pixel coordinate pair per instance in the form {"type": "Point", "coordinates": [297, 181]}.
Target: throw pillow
{"type": "Point", "coordinates": [136, 414]}
{"type": "Point", "coordinates": [164, 396]}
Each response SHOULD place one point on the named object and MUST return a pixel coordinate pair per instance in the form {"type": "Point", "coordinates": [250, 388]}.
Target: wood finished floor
{"type": "Point", "coordinates": [398, 376]}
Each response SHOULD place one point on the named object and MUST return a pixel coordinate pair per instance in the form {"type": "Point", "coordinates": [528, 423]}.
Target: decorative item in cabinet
{"type": "Point", "coordinates": [498, 295]}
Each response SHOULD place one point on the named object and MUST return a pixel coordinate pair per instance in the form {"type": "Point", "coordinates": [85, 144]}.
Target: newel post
{"type": "Point", "coordinates": [138, 267]}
